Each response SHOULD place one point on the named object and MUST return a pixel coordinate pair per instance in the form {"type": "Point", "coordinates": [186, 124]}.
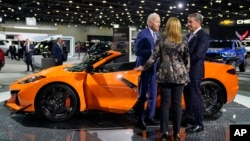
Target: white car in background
{"type": "Point", "coordinates": [246, 43]}
{"type": "Point", "coordinates": [5, 44]}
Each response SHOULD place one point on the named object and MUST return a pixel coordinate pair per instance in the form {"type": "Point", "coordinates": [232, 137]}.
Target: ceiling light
{"type": "Point", "coordinates": [180, 5]}
{"type": "Point", "coordinates": [218, 1]}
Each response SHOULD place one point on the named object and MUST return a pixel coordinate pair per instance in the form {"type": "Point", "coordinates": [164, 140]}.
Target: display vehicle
{"type": "Point", "coordinates": [103, 83]}
{"type": "Point", "coordinates": [228, 52]}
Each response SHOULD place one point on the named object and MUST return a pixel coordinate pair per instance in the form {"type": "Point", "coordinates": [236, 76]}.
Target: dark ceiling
{"type": "Point", "coordinates": [105, 13]}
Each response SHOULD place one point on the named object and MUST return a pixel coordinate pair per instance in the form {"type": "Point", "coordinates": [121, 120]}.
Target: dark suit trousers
{"type": "Point", "coordinates": [147, 92]}
{"type": "Point", "coordinates": [194, 103]}
{"type": "Point", "coordinates": [28, 61]}
{"type": "Point", "coordinates": [171, 93]}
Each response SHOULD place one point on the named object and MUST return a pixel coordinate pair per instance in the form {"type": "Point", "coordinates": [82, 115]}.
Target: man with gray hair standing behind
{"type": "Point", "coordinates": [144, 45]}
{"type": "Point", "coordinates": [198, 43]}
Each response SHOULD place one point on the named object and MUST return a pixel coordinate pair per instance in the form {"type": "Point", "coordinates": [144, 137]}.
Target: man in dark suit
{"type": "Point", "coordinates": [144, 45]}
{"type": "Point", "coordinates": [58, 52]}
{"type": "Point", "coordinates": [198, 42]}
{"type": "Point", "coordinates": [12, 50]}
{"type": "Point", "coordinates": [28, 49]}
{"type": "Point", "coordinates": [20, 50]}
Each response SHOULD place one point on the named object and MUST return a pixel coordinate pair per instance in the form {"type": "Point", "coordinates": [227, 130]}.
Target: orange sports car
{"type": "Point", "coordinates": [103, 82]}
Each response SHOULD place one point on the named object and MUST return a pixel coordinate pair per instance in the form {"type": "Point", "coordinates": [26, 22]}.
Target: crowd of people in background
{"type": "Point", "coordinates": [24, 50]}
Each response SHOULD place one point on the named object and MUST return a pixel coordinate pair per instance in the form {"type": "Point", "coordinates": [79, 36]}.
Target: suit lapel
{"type": "Point", "coordinates": [192, 43]}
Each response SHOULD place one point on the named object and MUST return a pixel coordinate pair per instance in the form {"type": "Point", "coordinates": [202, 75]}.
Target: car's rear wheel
{"type": "Point", "coordinates": [213, 97]}
{"type": "Point", "coordinates": [56, 102]}
{"type": "Point", "coordinates": [243, 65]}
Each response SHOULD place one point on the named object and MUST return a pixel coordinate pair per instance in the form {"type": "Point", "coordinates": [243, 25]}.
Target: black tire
{"type": "Point", "coordinates": [213, 97]}
{"type": "Point", "coordinates": [57, 102]}
{"type": "Point", "coordinates": [243, 65]}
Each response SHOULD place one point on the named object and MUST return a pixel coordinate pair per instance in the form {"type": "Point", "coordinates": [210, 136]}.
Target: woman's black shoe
{"type": "Point", "coordinates": [177, 137]}
{"type": "Point", "coordinates": [165, 137]}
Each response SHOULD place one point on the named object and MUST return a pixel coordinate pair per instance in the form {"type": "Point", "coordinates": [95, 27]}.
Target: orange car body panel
{"type": "Point", "coordinates": [102, 91]}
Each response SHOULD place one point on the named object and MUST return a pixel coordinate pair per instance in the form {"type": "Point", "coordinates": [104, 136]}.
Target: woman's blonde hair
{"type": "Point", "coordinates": [173, 30]}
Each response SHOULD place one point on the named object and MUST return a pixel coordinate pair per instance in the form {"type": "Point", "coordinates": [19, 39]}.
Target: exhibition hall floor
{"type": "Point", "coordinates": [101, 126]}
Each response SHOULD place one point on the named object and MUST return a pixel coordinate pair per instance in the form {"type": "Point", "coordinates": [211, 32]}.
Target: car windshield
{"type": "Point", "coordinates": [224, 44]}
{"type": "Point", "coordinates": [90, 61]}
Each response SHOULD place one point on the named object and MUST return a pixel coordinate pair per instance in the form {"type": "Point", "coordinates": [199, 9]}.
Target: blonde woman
{"type": "Point", "coordinates": [172, 74]}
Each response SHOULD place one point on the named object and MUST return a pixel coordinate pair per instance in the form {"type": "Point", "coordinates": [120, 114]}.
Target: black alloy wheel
{"type": "Point", "coordinates": [213, 97]}
{"type": "Point", "coordinates": [57, 102]}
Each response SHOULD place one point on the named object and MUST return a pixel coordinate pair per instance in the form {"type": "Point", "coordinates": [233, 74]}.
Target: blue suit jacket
{"type": "Point", "coordinates": [144, 45]}
{"type": "Point", "coordinates": [57, 53]}
{"type": "Point", "coordinates": [198, 46]}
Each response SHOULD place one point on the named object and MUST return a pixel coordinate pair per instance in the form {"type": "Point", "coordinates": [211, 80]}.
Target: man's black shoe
{"type": "Point", "coordinates": [195, 129]}
{"type": "Point", "coordinates": [141, 124]}
{"type": "Point", "coordinates": [150, 121]}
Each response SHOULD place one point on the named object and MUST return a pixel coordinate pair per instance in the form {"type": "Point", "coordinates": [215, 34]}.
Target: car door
{"type": "Point", "coordinates": [112, 91]}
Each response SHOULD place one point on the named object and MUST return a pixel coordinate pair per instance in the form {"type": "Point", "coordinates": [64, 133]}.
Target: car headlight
{"type": "Point", "coordinates": [227, 55]}
{"type": "Point", "coordinates": [31, 79]}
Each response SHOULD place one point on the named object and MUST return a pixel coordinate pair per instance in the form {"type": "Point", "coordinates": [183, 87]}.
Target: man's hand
{"type": "Point", "coordinates": [140, 68]}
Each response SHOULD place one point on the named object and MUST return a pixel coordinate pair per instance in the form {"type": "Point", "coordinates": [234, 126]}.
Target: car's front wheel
{"type": "Point", "coordinates": [56, 102]}
{"type": "Point", "coordinates": [213, 97]}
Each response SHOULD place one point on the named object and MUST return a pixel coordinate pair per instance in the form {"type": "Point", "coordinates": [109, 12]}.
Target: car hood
{"type": "Point", "coordinates": [56, 71]}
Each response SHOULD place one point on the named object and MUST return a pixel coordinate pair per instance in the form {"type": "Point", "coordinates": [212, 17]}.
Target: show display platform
{"type": "Point", "coordinates": [100, 126]}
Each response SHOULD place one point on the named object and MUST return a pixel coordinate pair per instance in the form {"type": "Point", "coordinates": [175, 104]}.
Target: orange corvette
{"type": "Point", "coordinates": [103, 83]}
